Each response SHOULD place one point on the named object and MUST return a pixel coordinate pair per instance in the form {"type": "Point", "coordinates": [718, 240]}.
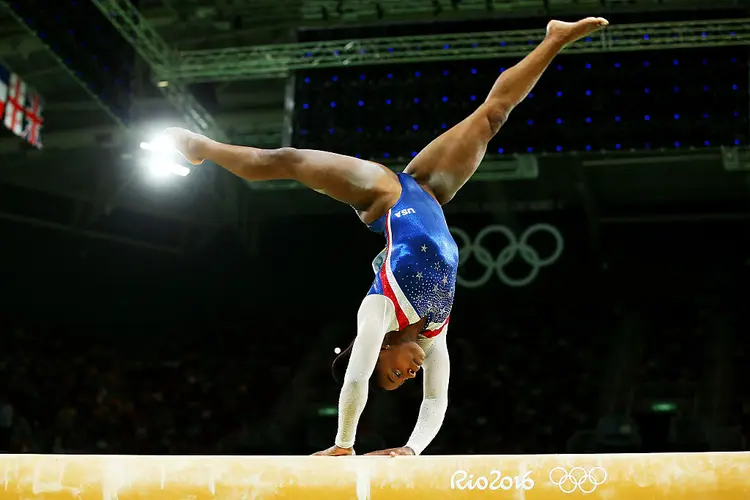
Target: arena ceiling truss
{"type": "Point", "coordinates": [248, 49]}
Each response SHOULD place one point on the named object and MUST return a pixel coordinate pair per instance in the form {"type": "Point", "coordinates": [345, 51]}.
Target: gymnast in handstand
{"type": "Point", "coordinates": [402, 322]}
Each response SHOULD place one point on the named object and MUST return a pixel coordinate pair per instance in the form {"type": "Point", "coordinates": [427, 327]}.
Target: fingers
{"type": "Point", "coordinates": [335, 451]}
{"type": "Point", "coordinates": [389, 453]}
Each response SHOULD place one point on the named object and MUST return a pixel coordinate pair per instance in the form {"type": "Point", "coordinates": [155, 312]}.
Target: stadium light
{"type": "Point", "coordinates": [161, 168]}
{"type": "Point", "coordinates": [161, 158]}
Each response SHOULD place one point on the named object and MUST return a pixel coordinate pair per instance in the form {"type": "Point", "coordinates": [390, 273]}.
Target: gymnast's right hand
{"type": "Point", "coordinates": [187, 143]}
{"type": "Point", "coordinates": [335, 451]}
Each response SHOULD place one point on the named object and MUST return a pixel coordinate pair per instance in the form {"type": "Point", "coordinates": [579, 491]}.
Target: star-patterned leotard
{"type": "Point", "coordinates": [417, 269]}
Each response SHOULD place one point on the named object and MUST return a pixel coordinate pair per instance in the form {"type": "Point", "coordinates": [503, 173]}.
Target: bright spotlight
{"type": "Point", "coordinates": [160, 167]}
{"type": "Point", "coordinates": [170, 169]}
{"type": "Point", "coordinates": [161, 144]}
{"type": "Point", "coordinates": [337, 350]}
{"type": "Point", "coordinates": [161, 160]}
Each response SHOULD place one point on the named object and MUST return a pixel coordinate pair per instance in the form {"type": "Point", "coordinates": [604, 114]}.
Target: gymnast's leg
{"type": "Point", "coordinates": [445, 165]}
{"type": "Point", "coordinates": [368, 187]}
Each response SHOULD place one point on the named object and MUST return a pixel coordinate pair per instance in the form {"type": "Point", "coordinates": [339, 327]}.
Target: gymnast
{"type": "Point", "coordinates": [402, 322]}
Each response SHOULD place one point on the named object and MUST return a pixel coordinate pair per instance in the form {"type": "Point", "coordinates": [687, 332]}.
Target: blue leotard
{"type": "Point", "coordinates": [417, 268]}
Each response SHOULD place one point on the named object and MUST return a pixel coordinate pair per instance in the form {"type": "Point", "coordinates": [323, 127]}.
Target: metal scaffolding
{"type": "Point", "coordinates": [155, 51]}
{"type": "Point", "coordinates": [362, 11]}
{"type": "Point", "coordinates": [320, 11]}
{"type": "Point", "coordinates": [241, 63]}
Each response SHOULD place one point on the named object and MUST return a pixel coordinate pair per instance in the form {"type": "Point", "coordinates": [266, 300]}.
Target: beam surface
{"type": "Point", "coordinates": [682, 476]}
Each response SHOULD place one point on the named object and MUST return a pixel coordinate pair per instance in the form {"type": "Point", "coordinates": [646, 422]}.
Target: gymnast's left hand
{"type": "Point", "coordinates": [335, 451]}
{"type": "Point", "coordinates": [393, 452]}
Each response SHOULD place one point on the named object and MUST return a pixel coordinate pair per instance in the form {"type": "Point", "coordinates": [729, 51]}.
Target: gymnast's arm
{"type": "Point", "coordinates": [374, 320]}
{"type": "Point", "coordinates": [437, 370]}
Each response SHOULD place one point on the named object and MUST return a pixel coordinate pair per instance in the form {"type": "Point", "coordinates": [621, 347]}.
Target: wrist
{"type": "Point", "coordinates": [343, 444]}
{"type": "Point", "coordinates": [412, 448]}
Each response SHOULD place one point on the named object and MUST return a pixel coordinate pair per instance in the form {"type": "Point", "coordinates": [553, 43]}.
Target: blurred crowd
{"type": "Point", "coordinates": [170, 393]}
{"type": "Point", "coordinates": [547, 378]}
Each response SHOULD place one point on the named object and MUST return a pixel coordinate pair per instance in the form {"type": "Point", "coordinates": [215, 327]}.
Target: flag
{"type": "Point", "coordinates": [20, 108]}
{"type": "Point", "coordinates": [3, 96]}
{"type": "Point", "coordinates": [14, 106]}
{"type": "Point", "coordinates": [34, 121]}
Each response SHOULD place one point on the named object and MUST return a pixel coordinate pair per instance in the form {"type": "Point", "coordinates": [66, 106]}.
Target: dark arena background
{"type": "Point", "coordinates": [148, 313]}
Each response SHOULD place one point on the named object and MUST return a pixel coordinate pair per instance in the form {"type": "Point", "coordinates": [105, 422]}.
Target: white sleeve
{"type": "Point", "coordinates": [375, 318]}
{"type": "Point", "coordinates": [437, 370]}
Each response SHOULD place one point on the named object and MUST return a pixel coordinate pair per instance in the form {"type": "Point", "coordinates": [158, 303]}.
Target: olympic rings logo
{"type": "Point", "coordinates": [577, 478]}
{"type": "Point", "coordinates": [516, 246]}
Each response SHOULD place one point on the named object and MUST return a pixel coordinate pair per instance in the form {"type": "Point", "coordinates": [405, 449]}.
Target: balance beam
{"type": "Point", "coordinates": [684, 476]}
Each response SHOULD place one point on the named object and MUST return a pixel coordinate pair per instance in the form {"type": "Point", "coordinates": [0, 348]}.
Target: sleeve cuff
{"type": "Point", "coordinates": [417, 450]}
{"type": "Point", "coordinates": [343, 444]}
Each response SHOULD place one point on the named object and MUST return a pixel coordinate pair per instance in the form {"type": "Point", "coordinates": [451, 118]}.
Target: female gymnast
{"type": "Point", "coordinates": [402, 322]}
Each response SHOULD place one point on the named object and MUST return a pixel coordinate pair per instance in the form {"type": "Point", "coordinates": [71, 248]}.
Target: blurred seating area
{"type": "Point", "coordinates": [541, 378]}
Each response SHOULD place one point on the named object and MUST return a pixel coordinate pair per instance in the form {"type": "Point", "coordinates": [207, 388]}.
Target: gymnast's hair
{"type": "Point", "coordinates": [340, 364]}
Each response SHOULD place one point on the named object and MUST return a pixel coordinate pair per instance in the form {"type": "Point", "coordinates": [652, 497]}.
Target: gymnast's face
{"type": "Point", "coordinates": [398, 363]}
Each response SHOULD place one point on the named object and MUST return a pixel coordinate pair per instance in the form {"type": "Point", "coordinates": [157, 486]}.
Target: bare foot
{"type": "Point", "coordinates": [186, 143]}
{"type": "Point", "coordinates": [567, 33]}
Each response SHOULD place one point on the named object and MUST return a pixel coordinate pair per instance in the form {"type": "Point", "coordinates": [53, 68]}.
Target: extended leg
{"type": "Point", "coordinates": [450, 160]}
{"type": "Point", "coordinates": [368, 187]}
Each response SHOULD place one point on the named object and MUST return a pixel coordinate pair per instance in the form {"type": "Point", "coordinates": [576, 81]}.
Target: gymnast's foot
{"type": "Point", "coordinates": [566, 33]}
{"type": "Point", "coordinates": [187, 143]}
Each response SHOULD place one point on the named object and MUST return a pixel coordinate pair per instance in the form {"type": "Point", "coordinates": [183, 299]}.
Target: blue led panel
{"type": "Point", "coordinates": [611, 101]}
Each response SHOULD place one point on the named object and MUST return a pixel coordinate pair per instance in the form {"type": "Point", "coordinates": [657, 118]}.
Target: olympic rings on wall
{"type": "Point", "coordinates": [516, 246]}
{"type": "Point", "coordinates": [577, 478]}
